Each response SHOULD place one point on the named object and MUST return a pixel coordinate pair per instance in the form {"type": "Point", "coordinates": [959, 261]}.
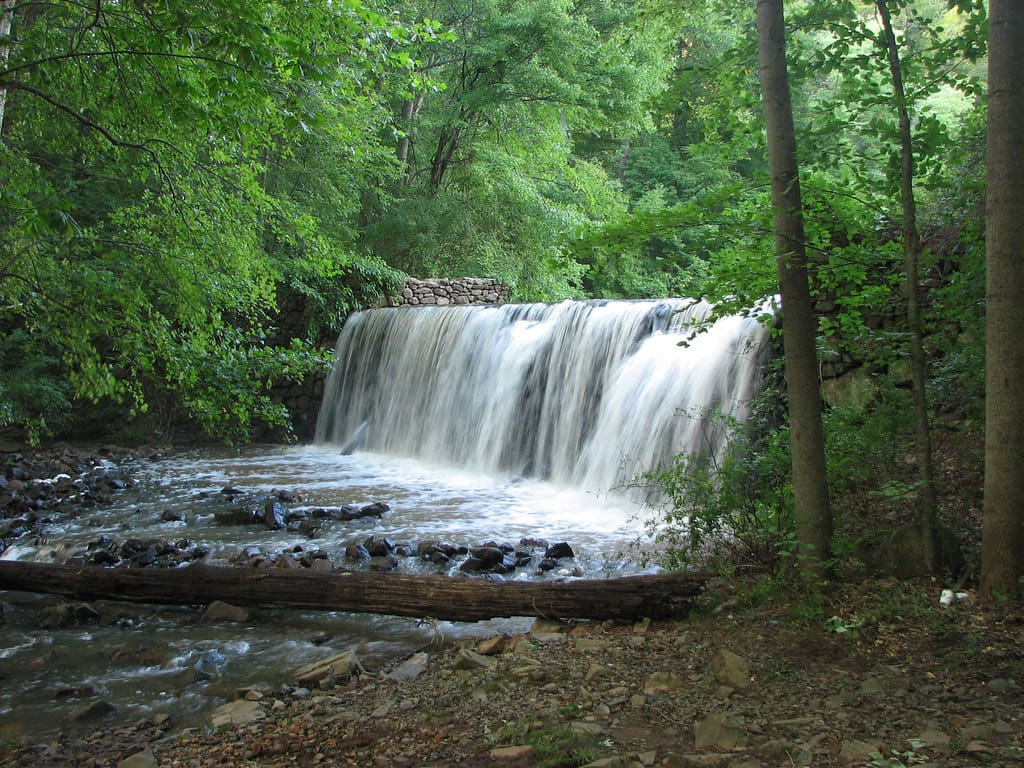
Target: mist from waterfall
{"type": "Point", "coordinates": [586, 394]}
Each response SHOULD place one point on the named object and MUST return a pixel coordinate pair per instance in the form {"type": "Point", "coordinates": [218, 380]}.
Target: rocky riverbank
{"type": "Point", "coordinates": [875, 674]}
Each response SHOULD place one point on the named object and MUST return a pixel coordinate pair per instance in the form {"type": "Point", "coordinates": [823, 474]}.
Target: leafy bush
{"type": "Point", "coordinates": [722, 512]}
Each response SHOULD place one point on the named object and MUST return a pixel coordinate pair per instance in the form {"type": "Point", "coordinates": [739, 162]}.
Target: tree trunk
{"type": "Point", "coordinates": [6, 16]}
{"type": "Point", "coordinates": [810, 487]}
{"type": "Point", "coordinates": [437, 597]}
{"type": "Point", "coordinates": [1002, 545]}
{"type": "Point", "coordinates": [927, 492]}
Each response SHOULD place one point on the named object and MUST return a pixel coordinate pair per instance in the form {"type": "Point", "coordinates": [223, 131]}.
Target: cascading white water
{"type": "Point", "coordinates": [589, 394]}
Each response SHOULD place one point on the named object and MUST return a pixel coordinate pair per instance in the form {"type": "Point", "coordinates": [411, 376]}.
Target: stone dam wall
{"type": "Point", "coordinates": [442, 292]}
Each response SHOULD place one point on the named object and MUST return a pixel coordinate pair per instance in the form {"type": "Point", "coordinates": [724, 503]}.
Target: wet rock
{"type": "Point", "coordinates": [93, 711]}
{"type": "Point", "coordinates": [75, 692]}
{"type": "Point", "coordinates": [68, 615]}
{"type": "Point", "coordinates": [529, 543]}
{"type": "Point", "coordinates": [558, 551]}
{"type": "Point", "coordinates": [171, 516]}
{"type": "Point", "coordinates": [487, 555]}
{"type": "Point", "coordinates": [104, 557]}
{"type": "Point", "coordinates": [234, 517]}
{"type": "Point", "coordinates": [383, 563]}
{"type": "Point", "coordinates": [374, 510]}
{"type": "Point", "coordinates": [273, 514]}
{"type": "Point", "coordinates": [143, 654]}
{"type": "Point", "coordinates": [221, 611]}
{"type": "Point", "coordinates": [379, 546]}
{"type": "Point", "coordinates": [355, 550]}
{"type": "Point", "coordinates": [209, 665]}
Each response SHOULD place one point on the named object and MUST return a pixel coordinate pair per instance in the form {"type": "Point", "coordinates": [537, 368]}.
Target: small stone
{"type": "Point", "coordinates": [342, 665]}
{"type": "Point", "coordinates": [411, 668]}
{"type": "Point", "coordinates": [719, 731]}
{"type": "Point", "coordinates": [856, 751]}
{"type": "Point", "coordinates": [592, 729]}
{"type": "Point", "coordinates": [663, 681]}
{"type": "Point", "coordinates": [143, 759]}
{"type": "Point", "coordinates": [935, 739]}
{"type": "Point", "coordinates": [492, 646]}
{"type": "Point", "coordinates": [1002, 685]}
{"type": "Point", "coordinates": [518, 752]}
{"type": "Point", "coordinates": [731, 669]}
{"type": "Point", "coordinates": [237, 713]}
{"type": "Point", "coordinates": [467, 659]}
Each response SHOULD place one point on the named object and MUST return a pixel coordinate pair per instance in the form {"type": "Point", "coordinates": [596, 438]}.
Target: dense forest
{"type": "Point", "coordinates": [174, 175]}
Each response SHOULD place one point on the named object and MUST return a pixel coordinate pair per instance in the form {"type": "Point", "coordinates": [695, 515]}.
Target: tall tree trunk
{"type": "Point", "coordinates": [1002, 546]}
{"type": "Point", "coordinates": [810, 487]}
{"type": "Point", "coordinates": [927, 493]}
{"type": "Point", "coordinates": [6, 16]}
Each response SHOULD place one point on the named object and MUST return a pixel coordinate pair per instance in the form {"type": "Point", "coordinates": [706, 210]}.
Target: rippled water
{"type": "Point", "coordinates": [144, 661]}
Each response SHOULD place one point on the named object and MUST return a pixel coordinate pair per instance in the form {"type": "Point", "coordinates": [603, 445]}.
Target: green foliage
{"type": "Point", "coordinates": [167, 171]}
{"type": "Point", "coordinates": [31, 391]}
{"type": "Point", "coordinates": [723, 512]}
{"type": "Point", "coordinates": [492, 184]}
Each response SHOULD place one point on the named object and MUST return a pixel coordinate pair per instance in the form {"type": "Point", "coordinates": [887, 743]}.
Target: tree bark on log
{"type": "Point", "coordinates": [436, 597]}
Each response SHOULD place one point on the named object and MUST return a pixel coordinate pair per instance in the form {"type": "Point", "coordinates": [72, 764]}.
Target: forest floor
{"type": "Point", "coordinates": [861, 672]}
{"type": "Point", "coordinates": [869, 674]}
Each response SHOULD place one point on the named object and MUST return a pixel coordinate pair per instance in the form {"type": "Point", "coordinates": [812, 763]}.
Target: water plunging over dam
{"type": "Point", "coordinates": [586, 394]}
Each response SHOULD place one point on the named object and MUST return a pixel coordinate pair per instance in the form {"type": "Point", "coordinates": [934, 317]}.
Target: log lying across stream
{"type": "Point", "coordinates": [436, 597]}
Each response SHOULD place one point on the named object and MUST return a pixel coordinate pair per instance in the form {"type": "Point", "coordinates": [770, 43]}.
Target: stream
{"type": "Point", "coordinates": [60, 667]}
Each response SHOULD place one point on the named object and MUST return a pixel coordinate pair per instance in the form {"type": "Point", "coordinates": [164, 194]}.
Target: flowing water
{"type": "Point", "coordinates": [472, 424]}
{"type": "Point", "coordinates": [589, 394]}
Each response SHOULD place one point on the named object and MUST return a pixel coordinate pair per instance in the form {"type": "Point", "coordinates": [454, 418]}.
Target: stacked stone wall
{"type": "Point", "coordinates": [443, 292]}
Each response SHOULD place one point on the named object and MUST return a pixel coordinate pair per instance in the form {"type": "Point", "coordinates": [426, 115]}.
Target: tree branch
{"type": "Point", "coordinates": [90, 123]}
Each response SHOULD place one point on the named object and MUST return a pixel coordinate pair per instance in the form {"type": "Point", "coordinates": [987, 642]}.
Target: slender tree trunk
{"type": "Point", "coordinates": [927, 493]}
{"type": "Point", "coordinates": [1002, 545]}
{"type": "Point", "coordinates": [6, 15]}
{"type": "Point", "coordinates": [410, 109]}
{"type": "Point", "coordinates": [810, 487]}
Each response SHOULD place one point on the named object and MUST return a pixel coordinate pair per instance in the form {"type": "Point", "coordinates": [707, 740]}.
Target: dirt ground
{"type": "Point", "coordinates": [877, 673]}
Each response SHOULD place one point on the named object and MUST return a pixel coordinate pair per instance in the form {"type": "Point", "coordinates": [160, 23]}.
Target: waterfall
{"type": "Point", "coordinates": [589, 394]}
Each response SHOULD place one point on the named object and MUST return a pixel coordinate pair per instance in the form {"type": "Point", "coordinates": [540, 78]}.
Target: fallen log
{"type": "Point", "coordinates": [436, 597]}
